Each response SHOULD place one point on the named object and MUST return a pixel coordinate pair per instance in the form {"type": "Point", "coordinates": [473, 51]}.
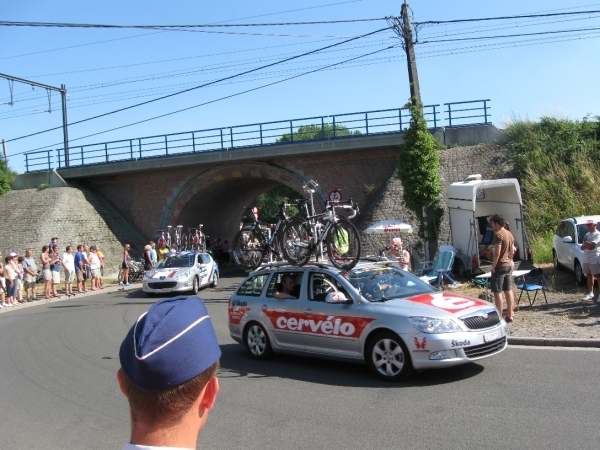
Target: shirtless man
{"type": "Point", "coordinates": [288, 288]}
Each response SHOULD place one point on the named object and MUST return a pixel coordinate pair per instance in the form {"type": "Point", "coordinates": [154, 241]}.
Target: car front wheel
{"type": "Point", "coordinates": [388, 357]}
{"type": "Point", "coordinates": [215, 280]}
{"type": "Point", "coordinates": [257, 341]}
{"type": "Point", "coordinates": [580, 277]}
{"type": "Point", "coordinates": [195, 286]}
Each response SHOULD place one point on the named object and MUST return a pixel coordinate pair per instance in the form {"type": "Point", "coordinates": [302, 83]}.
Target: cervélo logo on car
{"type": "Point", "coordinates": [342, 326]}
{"type": "Point", "coordinates": [448, 302]}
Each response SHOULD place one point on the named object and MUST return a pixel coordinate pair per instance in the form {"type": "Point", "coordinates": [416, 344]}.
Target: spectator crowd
{"type": "Point", "coordinates": [19, 274]}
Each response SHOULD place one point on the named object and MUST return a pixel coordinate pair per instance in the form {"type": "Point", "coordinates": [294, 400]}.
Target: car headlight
{"type": "Point", "coordinates": [183, 275]}
{"type": "Point", "coordinates": [431, 325]}
{"type": "Point", "coordinates": [147, 276]}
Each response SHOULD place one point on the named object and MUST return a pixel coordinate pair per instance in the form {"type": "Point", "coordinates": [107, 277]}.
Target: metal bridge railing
{"type": "Point", "coordinates": [340, 126]}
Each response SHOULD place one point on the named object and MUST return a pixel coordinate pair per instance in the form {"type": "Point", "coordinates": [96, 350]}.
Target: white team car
{"type": "Point", "coordinates": [181, 272]}
{"type": "Point", "coordinates": [375, 314]}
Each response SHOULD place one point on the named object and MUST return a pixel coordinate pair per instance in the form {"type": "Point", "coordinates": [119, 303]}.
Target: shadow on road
{"type": "Point", "coordinates": [235, 362]}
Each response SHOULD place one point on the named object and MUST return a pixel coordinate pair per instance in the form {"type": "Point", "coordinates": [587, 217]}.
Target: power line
{"type": "Point", "coordinates": [221, 98]}
{"type": "Point", "coordinates": [510, 35]}
{"type": "Point", "coordinates": [525, 16]}
{"type": "Point", "coordinates": [206, 84]}
{"type": "Point", "coordinates": [5, 23]}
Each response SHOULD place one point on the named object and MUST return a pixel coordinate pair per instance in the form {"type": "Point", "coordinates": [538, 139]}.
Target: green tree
{"type": "Point", "coordinates": [308, 132]}
{"type": "Point", "coordinates": [268, 202]}
{"type": "Point", "coordinates": [418, 164]}
{"type": "Point", "coordinates": [7, 176]}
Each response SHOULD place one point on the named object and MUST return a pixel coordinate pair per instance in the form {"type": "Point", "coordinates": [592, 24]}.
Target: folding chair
{"type": "Point", "coordinates": [534, 281]}
{"type": "Point", "coordinates": [442, 265]}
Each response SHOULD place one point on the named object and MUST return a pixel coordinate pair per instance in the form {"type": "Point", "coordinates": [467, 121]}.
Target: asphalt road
{"type": "Point", "coordinates": [58, 390]}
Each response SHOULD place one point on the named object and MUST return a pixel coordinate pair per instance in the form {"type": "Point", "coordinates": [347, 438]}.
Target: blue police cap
{"type": "Point", "coordinates": [170, 344]}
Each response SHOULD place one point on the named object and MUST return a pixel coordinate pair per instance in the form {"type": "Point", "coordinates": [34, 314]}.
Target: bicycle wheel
{"type": "Point", "coordinates": [343, 244]}
{"type": "Point", "coordinates": [120, 275]}
{"type": "Point", "coordinates": [247, 249]}
{"type": "Point", "coordinates": [295, 242]}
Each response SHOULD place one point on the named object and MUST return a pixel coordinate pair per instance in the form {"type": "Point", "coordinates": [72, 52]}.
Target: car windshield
{"type": "Point", "coordinates": [381, 283]}
{"type": "Point", "coordinates": [176, 261]}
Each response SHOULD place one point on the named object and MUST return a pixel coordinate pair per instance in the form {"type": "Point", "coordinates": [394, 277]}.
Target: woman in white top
{"type": "Point", "coordinates": [94, 261]}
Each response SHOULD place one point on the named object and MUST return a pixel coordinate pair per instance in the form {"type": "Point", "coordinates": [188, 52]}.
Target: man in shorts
{"type": "Point", "coordinates": [501, 280]}
{"type": "Point", "coordinates": [591, 249]}
{"type": "Point", "coordinates": [169, 362]}
{"type": "Point", "coordinates": [30, 272]}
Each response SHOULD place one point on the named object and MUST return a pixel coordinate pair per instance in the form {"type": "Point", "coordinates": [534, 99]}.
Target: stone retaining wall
{"type": "Point", "coordinates": [490, 160]}
{"type": "Point", "coordinates": [31, 217]}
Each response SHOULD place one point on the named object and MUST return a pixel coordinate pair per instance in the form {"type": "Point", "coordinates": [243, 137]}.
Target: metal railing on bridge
{"type": "Point", "coordinates": [340, 126]}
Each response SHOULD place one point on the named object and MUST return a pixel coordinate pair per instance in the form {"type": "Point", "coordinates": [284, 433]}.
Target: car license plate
{"type": "Point", "coordinates": [491, 336]}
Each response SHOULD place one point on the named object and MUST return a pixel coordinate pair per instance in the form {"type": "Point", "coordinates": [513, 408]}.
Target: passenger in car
{"type": "Point", "coordinates": [287, 288]}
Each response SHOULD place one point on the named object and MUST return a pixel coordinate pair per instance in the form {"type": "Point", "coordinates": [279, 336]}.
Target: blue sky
{"type": "Point", "coordinates": [108, 69]}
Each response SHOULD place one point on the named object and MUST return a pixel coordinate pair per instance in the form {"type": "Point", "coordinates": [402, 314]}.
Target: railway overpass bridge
{"type": "Point", "coordinates": [168, 186]}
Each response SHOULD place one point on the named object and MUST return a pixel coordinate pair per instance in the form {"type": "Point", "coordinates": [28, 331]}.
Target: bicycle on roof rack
{"type": "Point", "coordinates": [303, 238]}
{"type": "Point", "coordinates": [257, 242]}
{"type": "Point", "coordinates": [197, 239]}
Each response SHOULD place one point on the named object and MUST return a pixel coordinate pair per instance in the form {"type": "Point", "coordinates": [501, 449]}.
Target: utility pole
{"type": "Point", "coordinates": [404, 31]}
{"type": "Point", "coordinates": [409, 47]}
{"type": "Point", "coordinates": [63, 92]}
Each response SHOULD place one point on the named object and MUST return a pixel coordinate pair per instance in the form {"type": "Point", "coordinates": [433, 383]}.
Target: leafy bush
{"type": "Point", "coordinates": [558, 164]}
{"type": "Point", "coordinates": [7, 176]}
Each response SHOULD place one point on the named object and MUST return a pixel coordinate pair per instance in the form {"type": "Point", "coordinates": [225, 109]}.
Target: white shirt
{"type": "Point", "coordinates": [129, 446]}
{"type": "Point", "coordinates": [590, 256]}
{"type": "Point", "coordinates": [69, 261]}
{"type": "Point", "coordinates": [94, 261]}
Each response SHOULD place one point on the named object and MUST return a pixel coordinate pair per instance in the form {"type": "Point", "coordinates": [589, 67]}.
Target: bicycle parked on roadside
{"type": "Point", "coordinates": [136, 271]}
{"type": "Point", "coordinates": [305, 237]}
{"type": "Point", "coordinates": [257, 242]}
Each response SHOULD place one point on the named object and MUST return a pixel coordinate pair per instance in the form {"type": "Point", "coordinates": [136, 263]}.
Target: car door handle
{"type": "Point", "coordinates": [308, 310]}
{"type": "Point", "coordinates": [263, 308]}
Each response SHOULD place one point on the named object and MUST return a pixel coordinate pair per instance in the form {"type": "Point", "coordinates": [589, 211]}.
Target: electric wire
{"type": "Point", "coordinates": [221, 98]}
{"type": "Point", "coordinates": [206, 84]}
{"type": "Point", "coordinates": [524, 16]}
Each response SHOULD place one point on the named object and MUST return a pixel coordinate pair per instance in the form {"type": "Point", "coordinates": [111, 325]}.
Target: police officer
{"type": "Point", "coordinates": [169, 361]}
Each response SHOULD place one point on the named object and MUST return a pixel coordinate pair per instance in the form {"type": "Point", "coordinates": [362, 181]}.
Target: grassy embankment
{"type": "Point", "coordinates": [557, 162]}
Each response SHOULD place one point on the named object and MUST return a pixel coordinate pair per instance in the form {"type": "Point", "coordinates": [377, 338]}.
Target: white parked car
{"type": "Point", "coordinates": [566, 245]}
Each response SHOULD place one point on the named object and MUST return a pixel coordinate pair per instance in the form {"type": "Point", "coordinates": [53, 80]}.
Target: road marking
{"type": "Point", "coordinates": [542, 347]}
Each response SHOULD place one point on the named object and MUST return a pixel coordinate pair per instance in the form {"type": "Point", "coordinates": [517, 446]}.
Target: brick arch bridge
{"type": "Point", "coordinates": [213, 187]}
{"type": "Point", "coordinates": [225, 190]}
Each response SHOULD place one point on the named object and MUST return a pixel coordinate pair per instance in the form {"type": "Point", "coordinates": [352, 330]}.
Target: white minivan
{"type": "Point", "coordinates": [566, 246]}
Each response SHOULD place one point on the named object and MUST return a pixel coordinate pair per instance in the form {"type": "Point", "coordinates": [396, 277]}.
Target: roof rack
{"type": "Point", "coordinates": [276, 264]}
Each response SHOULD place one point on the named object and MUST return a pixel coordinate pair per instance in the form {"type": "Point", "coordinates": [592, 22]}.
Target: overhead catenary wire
{"type": "Point", "coordinates": [203, 85]}
{"type": "Point", "coordinates": [221, 98]}
{"type": "Point", "coordinates": [522, 16]}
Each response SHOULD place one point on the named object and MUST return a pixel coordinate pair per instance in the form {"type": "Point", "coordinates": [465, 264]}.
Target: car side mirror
{"type": "Point", "coordinates": [567, 239]}
{"type": "Point", "coordinates": [336, 297]}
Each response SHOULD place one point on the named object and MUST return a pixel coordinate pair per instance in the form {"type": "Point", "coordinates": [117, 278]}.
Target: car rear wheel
{"type": "Point", "coordinates": [580, 278]}
{"type": "Point", "coordinates": [555, 262]}
{"type": "Point", "coordinates": [388, 357]}
{"type": "Point", "coordinates": [195, 286]}
{"type": "Point", "coordinates": [257, 342]}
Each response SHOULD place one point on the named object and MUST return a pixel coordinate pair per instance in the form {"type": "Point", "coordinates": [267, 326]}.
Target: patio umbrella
{"type": "Point", "coordinates": [389, 226]}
